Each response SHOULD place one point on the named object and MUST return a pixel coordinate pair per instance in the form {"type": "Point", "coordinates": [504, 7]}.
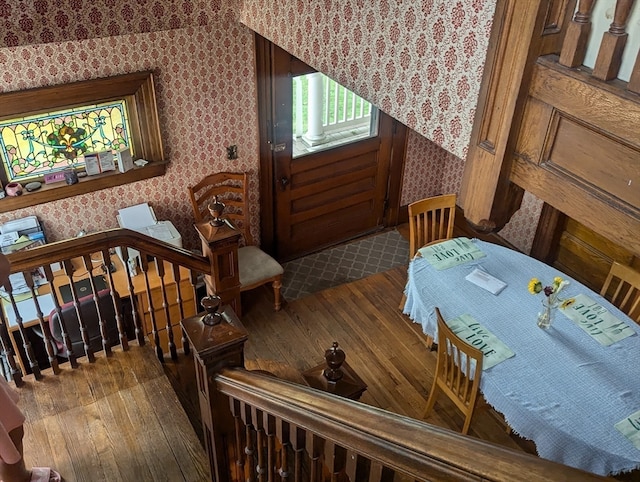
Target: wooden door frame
{"type": "Point", "coordinates": [265, 83]}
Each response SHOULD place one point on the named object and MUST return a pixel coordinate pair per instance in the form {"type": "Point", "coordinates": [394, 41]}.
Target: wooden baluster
{"type": "Point", "coordinates": [283, 433]}
{"type": "Point", "coordinates": [261, 444]}
{"type": "Point", "coordinates": [575, 42]}
{"type": "Point", "coordinates": [634, 80]}
{"type": "Point", "coordinates": [152, 315]}
{"type": "Point", "coordinates": [613, 42]}
{"type": "Point", "coordinates": [122, 332]}
{"type": "Point", "coordinates": [102, 325]}
{"type": "Point", "coordinates": [249, 448]}
{"type": "Point", "coordinates": [298, 440]}
{"type": "Point", "coordinates": [137, 322]}
{"type": "Point", "coordinates": [314, 448]}
{"type": "Point", "coordinates": [7, 348]}
{"type": "Point", "coordinates": [68, 269]}
{"type": "Point", "coordinates": [335, 460]}
{"type": "Point", "coordinates": [46, 333]}
{"type": "Point", "coordinates": [66, 339]}
{"type": "Point", "coordinates": [176, 276]}
{"type": "Point", "coordinates": [236, 411]}
{"type": "Point", "coordinates": [351, 466]}
{"type": "Point", "coordinates": [269, 425]}
{"type": "Point", "coordinates": [28, 349]}
{"type": "Point", "coordinates": [165, 307]}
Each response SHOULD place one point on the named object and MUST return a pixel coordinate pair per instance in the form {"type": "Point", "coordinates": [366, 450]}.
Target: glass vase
{"type": "Point", "coordinates": [545, 317]}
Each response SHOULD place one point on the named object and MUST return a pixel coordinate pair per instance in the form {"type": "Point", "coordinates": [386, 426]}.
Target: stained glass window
{"type": "Point", "coordinates": [35, 145]}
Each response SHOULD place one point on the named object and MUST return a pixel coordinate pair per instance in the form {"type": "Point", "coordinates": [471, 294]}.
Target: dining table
{"type": "Point", "coordinates": [573, 392]}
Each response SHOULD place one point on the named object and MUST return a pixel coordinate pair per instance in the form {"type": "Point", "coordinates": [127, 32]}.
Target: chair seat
{"type": "Point", "coordinates": [255, 266]}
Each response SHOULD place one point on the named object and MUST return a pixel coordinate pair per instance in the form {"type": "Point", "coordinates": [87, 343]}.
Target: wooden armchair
{"type": "Point", "coordinates": [454, 373]}
{"type": "Point", "coordinates": [430, 220]}
{"type": "Point", "coordinates": [622, 288]}
{"type": "Point", "coordinates": [231, 188]}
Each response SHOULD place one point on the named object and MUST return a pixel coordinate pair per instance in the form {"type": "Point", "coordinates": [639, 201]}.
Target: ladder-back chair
{"type": "Point", "coordinates": [231, 188]}
{"type": "Point", "coordinates": [458, 373]}
{"type": "Point", "coordinates": [430, 220]}
{"type": "Point", "coordinates": [622, 288]}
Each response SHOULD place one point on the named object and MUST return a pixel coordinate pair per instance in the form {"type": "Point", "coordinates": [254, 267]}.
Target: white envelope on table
{"type": "Point", "coordinates": [486, 281]}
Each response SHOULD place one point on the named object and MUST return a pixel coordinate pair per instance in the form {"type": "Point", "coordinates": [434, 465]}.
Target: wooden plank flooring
{"type": "Point", "coordinates": [114, 420]}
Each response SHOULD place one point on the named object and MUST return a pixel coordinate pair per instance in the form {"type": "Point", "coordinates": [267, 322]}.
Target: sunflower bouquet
{"type": "Point", "coordinates": [550, 291]}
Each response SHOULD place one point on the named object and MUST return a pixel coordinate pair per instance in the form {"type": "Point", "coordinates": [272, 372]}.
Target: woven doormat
{"type": "Point", "coordinates": [343, 264]}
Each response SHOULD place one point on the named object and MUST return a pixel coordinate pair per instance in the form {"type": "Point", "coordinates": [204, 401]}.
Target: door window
{"type": "Point", "coordinates": [327, 115]}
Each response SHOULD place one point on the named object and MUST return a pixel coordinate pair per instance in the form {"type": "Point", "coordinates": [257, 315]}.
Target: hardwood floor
{"type": "Point", "coordinates": [113, 420]}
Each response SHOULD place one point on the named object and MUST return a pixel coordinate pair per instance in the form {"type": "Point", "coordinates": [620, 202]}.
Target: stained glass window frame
{"type": "Point", "coordinates": [137, 89]}
{"type": "Point", "coordinates": [34, 145]}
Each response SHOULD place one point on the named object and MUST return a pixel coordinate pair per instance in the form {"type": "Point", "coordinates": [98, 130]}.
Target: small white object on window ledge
{"type": "Point", "coordinates": [141, 162]}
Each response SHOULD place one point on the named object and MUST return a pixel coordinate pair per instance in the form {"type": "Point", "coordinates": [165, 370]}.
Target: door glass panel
{"type": "Point", "coordinates": [327, 115]}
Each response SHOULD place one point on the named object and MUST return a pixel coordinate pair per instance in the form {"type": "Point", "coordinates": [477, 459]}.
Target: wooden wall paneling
{"type": "Point", "coordinates": [486, 194]}
{"type": "Point", "coordinates": [559, 15]}
{"type": "Point", "coordinates": [580, 150]}
{"type": "Point", "coordinates": [607, 106]}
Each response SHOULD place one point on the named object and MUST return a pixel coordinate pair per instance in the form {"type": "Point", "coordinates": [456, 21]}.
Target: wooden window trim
{"type": "Point", "coordinates": [138, 91]}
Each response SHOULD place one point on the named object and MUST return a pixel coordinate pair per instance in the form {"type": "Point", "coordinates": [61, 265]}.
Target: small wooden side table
{"type": "Point", "coordinates": [349, 386]}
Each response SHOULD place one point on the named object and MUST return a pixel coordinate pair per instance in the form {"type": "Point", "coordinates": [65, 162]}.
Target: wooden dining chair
{"type": "Point", "coordinates": [430, 220]}
{"type": "Point", "coordinates": [622, 288]}
{"type": "Point", "coordinates": [458, 373]}
{"type": "Point", "coordinates": [256, 267]}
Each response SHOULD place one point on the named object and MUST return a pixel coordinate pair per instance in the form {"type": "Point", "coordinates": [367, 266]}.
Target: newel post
{"type": "Point", "coordinates": [220, 245]}
{"type": "Point", "coordinates": [214, 348]}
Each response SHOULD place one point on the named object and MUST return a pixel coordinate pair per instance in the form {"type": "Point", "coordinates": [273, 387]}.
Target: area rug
{"type": "Point", "coordinates": [343, 264]}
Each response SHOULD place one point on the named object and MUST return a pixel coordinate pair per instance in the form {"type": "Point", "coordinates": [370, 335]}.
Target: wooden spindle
{"type": "Point", "coordinates": [575, 42]}
{"type": "Point", "coordinates": [314, 448]}
{"type": "Point", "coordinates": [269, 427]}
{"type": "Point", "coordinates": [66, 339]}
{"type": "Point", "coordinates": [351, 466]}
{"type": "Point", "coordinates": [298, 441]}
{"type": "Point", "coordinates": [137, 322]}
{"type": "Point", "coordinates": [122, 332]}
{"type": "Point", "coordinates": [68, 270]}
{"type": "Point", "coordinates": [165, 307]}
{"type": "Point", "coordinates": [261, 444]}
{"type": "Point", "coordinates": [46, 333]}
{"type": "Point", "coordinates": [144, 266]}
{"type": "Point", "coordinates": [250, 437]}
{"type": "Point", "coordinates": [239, 428]}
{"type": "Point", "coordinates": [334, 459]}
{"type": "Point", "coordinates": [613, 42]}
{"type": "Point", "coordinates": [102, 325]}
{"type": "Point", "coordinates": [176, 276]}
{"type": "Point", "coordinates": [283, 433]}
{"type": "Point", "coordinates": [634, 80]}
{"type": "Point", "coordinates": [7, 348]}
{"type": "Point", "coordinates": [26, 344]}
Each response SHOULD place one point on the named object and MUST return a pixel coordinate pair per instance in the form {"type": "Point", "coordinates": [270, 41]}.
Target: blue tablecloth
{"type": "Point", "coordinates": [562, 389]}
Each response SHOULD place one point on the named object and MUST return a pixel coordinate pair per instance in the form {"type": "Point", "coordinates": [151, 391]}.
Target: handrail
{"type": "Point", "coordinates": [411, 447]}
{"type": "Point", "coordinates": [95, 242]}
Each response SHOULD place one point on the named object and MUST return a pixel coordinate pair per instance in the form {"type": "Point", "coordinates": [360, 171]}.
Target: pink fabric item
{"type": "Point", "coordinates": [10, 418]}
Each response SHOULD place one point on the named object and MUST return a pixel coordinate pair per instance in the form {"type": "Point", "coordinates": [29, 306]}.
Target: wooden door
{"type": "Point", "coordinates": [326, 197]}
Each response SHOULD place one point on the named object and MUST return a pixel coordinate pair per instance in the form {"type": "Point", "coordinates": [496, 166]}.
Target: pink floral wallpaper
{"type": "Point", "coordinates": [206, 98]}
{"type": "Point", "coordinates": [419, 61]}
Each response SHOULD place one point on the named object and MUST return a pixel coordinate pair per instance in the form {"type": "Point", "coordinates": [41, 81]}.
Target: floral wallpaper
{"type": "Point", "coordinates": [420, 61]}
{"type": "Point", "coordinates": [206, 94]}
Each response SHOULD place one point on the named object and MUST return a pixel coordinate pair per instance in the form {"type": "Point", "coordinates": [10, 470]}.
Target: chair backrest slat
{"type": "Point", "coordinates": [622, 288]}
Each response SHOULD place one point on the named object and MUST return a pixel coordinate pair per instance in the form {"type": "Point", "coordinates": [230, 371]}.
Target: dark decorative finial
{"type": "Point", "coordinates": [216, 208]}
{"type": "Point", "coordinates": [334, 357]}
{"type": "Point", "coordinates": [211, 303]}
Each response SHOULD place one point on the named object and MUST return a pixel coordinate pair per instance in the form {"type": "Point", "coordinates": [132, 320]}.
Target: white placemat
{"type": "Point", "coordinates": [452, 252]}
